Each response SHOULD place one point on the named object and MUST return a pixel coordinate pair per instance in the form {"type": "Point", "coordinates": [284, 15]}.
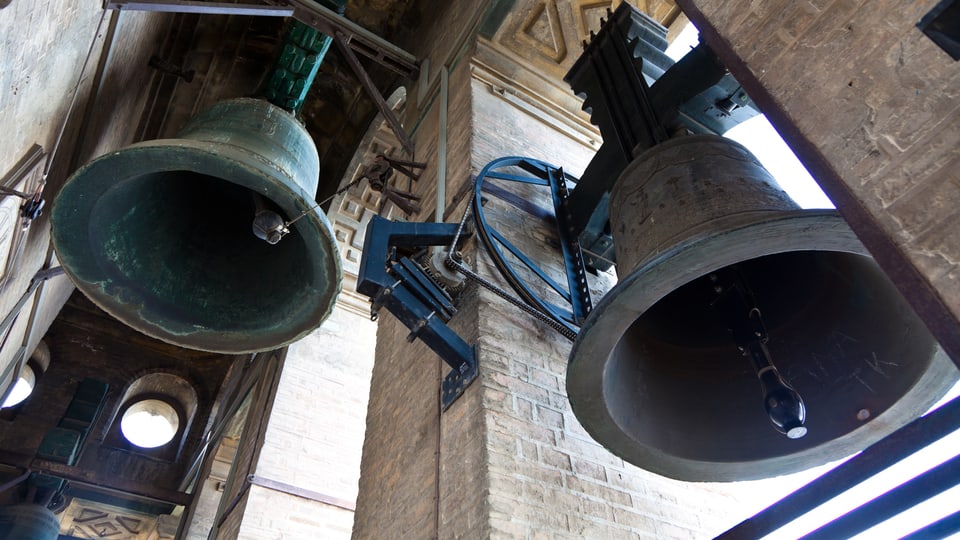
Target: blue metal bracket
{"type": "Point", "coordinates": [523, 170]}
{"type": "Point", "coordinates": [395, 282]}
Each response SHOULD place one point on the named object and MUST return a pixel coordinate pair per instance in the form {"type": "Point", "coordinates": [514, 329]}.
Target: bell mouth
{"type": "Point", "coordinates": [159, 236]}
{"type": "Point", "coordinates": [656, 378]}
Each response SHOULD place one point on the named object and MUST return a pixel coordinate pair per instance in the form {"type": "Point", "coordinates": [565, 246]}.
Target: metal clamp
{"type": "Point", "coordinates": [397, 283]}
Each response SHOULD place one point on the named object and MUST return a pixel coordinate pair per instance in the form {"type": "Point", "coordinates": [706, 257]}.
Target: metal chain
{"type": "Point", "coordinates": [530, 310]}
{"type": "Point", "coordinates": [463, 221]}
{"type": "Point", "coordinates": [483, 282]}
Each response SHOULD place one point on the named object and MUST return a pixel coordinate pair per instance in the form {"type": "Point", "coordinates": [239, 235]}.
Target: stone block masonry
{"type": "Point", "coordinates": [304, 479]}
{"type": "Point", "coordinates": [871, 107]}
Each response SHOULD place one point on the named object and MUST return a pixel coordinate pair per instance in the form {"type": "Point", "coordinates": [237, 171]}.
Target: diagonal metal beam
{"type": "Point", "coordinates": [350, 37]}
{"type": "Point", "coordinates": [309, 12]}
{"type": "Point", "coordinates": [359, 38]}
{"type": "Point", "coordinates": [371, 89]}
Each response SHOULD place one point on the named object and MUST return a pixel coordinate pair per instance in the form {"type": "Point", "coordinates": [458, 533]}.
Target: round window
{"type": "Point", "coordinates": [21, 389]}
{"type": "Point", "coordinates": [150, 423]}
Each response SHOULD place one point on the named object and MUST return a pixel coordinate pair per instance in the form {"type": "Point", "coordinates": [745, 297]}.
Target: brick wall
{"type": "Point", "coordinates": [421, 471]}
{"type": "Point", "coordinates": [274, 514]}
{"type": "Point", "coordinates": [305, 472]}
{"type": "Point", "coordinates": [508, 459]}
{"type": "Point", "coordinates": [870, 106]}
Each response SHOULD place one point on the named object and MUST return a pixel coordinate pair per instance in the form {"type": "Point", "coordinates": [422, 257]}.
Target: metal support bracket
{"type": "Point", "coordinates": [343, 43]}
{"type": "Point", "coordinates": [349, 36]}
{"type": "Point", "coordinates": [397, 283]}
{"type": "Point", "coordinates": [638, 98]}
{"type": "Point", "coordinates": [378, 175]}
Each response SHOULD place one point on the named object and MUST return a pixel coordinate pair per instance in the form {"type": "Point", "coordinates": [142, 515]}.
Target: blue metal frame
{"type": "Point", "coordinates": [543, 174]}
{"type": "Point", "coordinates": [398, 284]}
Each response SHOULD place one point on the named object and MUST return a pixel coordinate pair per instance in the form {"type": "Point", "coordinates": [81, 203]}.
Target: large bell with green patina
{"type": "Point", "coordinates": [160, 234]}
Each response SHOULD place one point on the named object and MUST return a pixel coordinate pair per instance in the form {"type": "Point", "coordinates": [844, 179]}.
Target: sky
{"type": "Point", "coordinates": [763, 141]}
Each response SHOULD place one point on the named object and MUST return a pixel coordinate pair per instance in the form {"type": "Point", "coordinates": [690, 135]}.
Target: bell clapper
{"type": "Point", "coordinates": [267, 224]}
{"type": "Point", "coordinates": [782, 402]}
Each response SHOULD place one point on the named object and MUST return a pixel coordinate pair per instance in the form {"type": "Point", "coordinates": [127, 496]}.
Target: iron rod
{"type": "Point", "coordinates": [372, 91]}
{"type": "Point", "coordinates": [203, 8]}
{"type": "Point", "coordinates": [330, 22]}
{"type": "Point", "coordinates": [442, 145]}
{"type": "Point", "coordinates": [23, 167]}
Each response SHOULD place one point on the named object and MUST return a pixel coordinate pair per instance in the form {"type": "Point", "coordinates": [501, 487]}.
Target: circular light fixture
{"type": "Point", "coordinates": [150, 423]}
{"type": "Point", "coordinates": [22, 388]}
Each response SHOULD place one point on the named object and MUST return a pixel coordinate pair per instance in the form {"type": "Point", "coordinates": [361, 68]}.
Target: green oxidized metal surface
{"type": "Point", "coordinates": [298, 63]}
{"type": "Point", "coordinates": [159, 234]}
{"type": "Point", "coordinates": [28, 522]}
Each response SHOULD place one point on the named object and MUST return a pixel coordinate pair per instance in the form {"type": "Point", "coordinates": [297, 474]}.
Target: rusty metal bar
{"type": "Point", "coordinates": [297, 491]}
{"type": "Point", "coordinates": [23, 167]}
{"type": "Point", "coordinates": [308, 12]}
{"type": "Point", "coordinates": [371, 89]}
{"type": "Point", "coordinates": [359, 39]}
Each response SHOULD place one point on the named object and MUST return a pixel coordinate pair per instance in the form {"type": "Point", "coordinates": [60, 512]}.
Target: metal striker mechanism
{"type": "Point", "coordinates": [714, 263]}
{"type": "Point", "coordinates": [268, 225]}
{"type": "Point", "coordinates": [734, 302]}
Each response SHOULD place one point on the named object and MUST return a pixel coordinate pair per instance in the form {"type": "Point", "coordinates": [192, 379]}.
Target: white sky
{"type": "Point", "coordinates": [763, 141]}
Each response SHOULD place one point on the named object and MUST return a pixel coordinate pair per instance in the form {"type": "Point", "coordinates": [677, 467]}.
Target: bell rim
{"type": "Point", "coordinates": [206, 158]}
{"type": "Point", "coordinates": [652, 281]}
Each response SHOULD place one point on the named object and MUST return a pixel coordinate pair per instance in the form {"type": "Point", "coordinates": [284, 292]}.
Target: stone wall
{"type": "Point", "coordinates": [303, 480]}
{"type": "Point", "coordinates": [870, 105]}
{"type": "Point", "coordinates": [44, 48]}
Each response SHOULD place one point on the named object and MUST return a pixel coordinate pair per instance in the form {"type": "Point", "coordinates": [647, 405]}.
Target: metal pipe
{"type": "Point", "coordinates": [42, 275]}
{"type": "Point", "coordinates": [23, 167]}
{"type": "Point", "coordinates": [38, 279]}
{"type": "Point", "coordinates": [16, 481]}
{"type": "Point", "coordinates": [442, 145]}
{"type": "Point", "coordinates": [204, 8]}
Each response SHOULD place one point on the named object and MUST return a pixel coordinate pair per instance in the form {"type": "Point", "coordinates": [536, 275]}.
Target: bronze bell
{"type": "Point", "coordinates": [734, 308]}
{"type": "Point", "coordinates": [186, 239]}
